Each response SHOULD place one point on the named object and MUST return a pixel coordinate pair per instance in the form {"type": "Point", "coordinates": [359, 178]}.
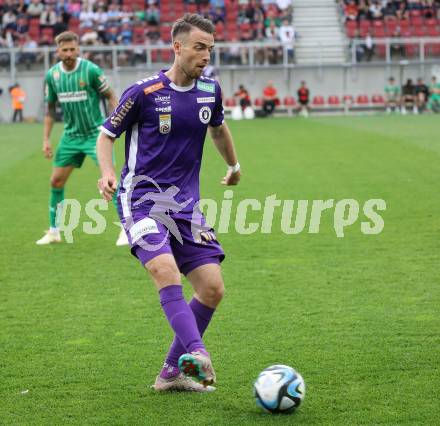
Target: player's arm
{"type": "Point", "coordinates": [108, 183]}
{"type": "Point", "coordinates": [112, 100]}
{"type": "Point", "coordinates": [49, 119]}
{"type": "Point", "coordinates": [225, 145]}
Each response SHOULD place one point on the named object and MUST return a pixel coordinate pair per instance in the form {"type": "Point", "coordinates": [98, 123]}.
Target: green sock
{"type": "Point", "coordinates": [56, 197]}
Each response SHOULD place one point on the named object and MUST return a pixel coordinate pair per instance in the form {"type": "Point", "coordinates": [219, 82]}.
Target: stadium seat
{"type": "Point", "coordinates": [431, 23]}
{"type": "Point", "coordinates": [258, 102]}
{"type": "Point", "coordinates": [404, 25]}
{"type": "Point", "coordinates": [334, 101]}
{"type": "Point", "coordinates": [362, 100]}
{"type": "Point", "coordinates": [167, 56]}
{"type": "Point", "coordinates": [351, 29]}
{"type": "Point", "coordinates": [230, 102]}
{"type": "Point", "coordinates": [417, 21]}
{"type": "Point", "coordinates": [348, 99]}
{"type": "Point", "coordinates": [191, 8]}
{"type": "Point", "coordinates": [318, 101]}
{"type": "Point", "coordinates": [378, 100]}
{"type": "Point", "coordinates": [289, 101]}
{"type": "Point", "coordinates": [165, 33]}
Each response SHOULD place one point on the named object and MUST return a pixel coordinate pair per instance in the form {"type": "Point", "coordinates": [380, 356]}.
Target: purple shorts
{"type": "Point", "coordinates": [191, 245]}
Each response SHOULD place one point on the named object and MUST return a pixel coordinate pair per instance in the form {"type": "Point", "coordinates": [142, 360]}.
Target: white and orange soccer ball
{"type": "Point", "coordinates": [279, 389]}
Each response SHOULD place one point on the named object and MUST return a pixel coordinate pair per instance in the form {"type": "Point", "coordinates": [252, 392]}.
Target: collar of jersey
{"type": "Point", "coordinates": [175, 86]}
{"type": "Point", "coordinates": [78, 60]}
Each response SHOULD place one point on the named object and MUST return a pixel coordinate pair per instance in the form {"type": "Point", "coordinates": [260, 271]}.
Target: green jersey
{"type": "Point", "coordinates": [392, 91]}
{"type": "Point", "coordinates": [78, 91]}
{"type": "Point", "coordinates": [434, 89]}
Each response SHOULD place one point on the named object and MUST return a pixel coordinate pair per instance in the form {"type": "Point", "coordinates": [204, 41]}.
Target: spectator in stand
{"type": "Point", "coordinates": [287, 37]}
{"type": "Point", "coordinates": [242, 97]}
{"type": "Point", "coordinates": [113, 14]}
{"type": "Point", "coordinates": [408, 97]}
{"type": "Point", "coordinates": [392, 95]}
{"type": "Point", "coordinates": [422, 94]}
{"type": "Point", "coordinates": [28, 56]}
{"type": "Point", "coordinates": [35, 9]}
{"type": "Point", "coordinates": [22, 26]}
{"type": "Point", "coordinates": [60, 26]}
{"type": "Point", "coordinates": [48, 17]}
{"type": "Point", "coordinates": [270, 98]}
{"type": "Point", "coordinates": [375, 10]}
{"type": "Point", "coordinates": [18, 97]}
{"type": "Point", "coordinates": [74, 8]}
{"type": "Point", "coordinates": [87, 18]}
{"type": "Point", "coordinates": [152, 14]}
{"type": "Point", "coordinates": [351, 11]}
{"type": "Point", "coordinates": [217, 14]}
{"type": "Point", "coordinates": [368, 47]}
{"type": "Point", "coordinates": [303, 99]}
{"type": "Point", "coordinates": [274, 54]}
{"type": "Point", "coordinates": [20, 7]}
{"type": "Point", "coordinates": [9, 20]}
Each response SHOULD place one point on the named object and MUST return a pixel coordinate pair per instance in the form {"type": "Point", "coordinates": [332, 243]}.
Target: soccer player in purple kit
{"type": "Point", "coordinates": [166, 118]}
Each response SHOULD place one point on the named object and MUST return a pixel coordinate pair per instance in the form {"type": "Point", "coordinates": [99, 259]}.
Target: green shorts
{"type": "Point", "coordinates": [72, 151]}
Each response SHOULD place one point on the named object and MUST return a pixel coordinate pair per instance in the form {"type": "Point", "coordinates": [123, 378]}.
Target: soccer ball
{"type": "Point", "coordinates": [279, 389]}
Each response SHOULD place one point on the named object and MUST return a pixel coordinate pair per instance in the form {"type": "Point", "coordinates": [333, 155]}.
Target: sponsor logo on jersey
{"type": "Point", "coordinates": [205, 114]}
{"type": "Point", "coordinates": [164, 123]}
{"type": "Point", "coordinates": [163, 100]}
{"type": "Point", "coordinates": [206, 87]}
{"type": "Point", "coordinates": [208, 100]}
{"type": "Point", "coordinates": [146, 80]}
{"type": "Point", "coordinates": [163, 109]}
{"type": "Point", "coordinates": [116, 119]}
{"type": "Point", "coordinates": [143, 227]}
{"type": "Point", "coordinates": [153, 88]}
{"type": "Point", "coordinates": [65, 97]}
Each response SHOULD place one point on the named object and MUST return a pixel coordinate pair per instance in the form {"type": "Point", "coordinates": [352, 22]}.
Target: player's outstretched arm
{"type": "Point", "coordinates": [108, 183]}
{"type": "Point", "coordinates": [223, 141]}
{"type": "Point", "coordinates": [49, 119]}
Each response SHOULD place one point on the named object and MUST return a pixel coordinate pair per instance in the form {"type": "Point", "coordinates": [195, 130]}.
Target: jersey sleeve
{"type": "Point", "coordinates": [126, 113]}
{"type": "Point", "coordinates": [218, 115]}
{"type": "Point", "coordinates": [98, 80]}
{"type": "Point", "coordinates": [50, 95]}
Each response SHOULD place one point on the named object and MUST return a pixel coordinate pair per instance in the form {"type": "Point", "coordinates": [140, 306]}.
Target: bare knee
{"type": "Point", "coordinates": [212, 293]}
{"type": "Point", "coordinates": [57, 182]}
{"type": "Point", "coordinates": [163, 270]}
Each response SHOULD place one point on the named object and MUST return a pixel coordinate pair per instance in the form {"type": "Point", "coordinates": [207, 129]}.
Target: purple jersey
{"type": "Point", "coordinates": [165, 129]}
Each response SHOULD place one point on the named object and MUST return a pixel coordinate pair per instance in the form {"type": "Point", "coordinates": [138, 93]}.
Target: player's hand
{"type": "Point", "coordinates": [107, 186]}
{"type": "Point", "coordinates": [231, 178]}
{"type": "Point", "coordinates": [47, 150]}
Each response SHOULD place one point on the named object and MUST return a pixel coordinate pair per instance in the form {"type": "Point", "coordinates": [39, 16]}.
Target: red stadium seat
{"type": "Point", "coordinates": [48, 33]}
{"type": "Point", "coordinates": [431, 23]}
{"type": "Point", "coordinates": [318, 101]}
{"type": "Point", "coordinates": [230, 102]}
{"type": "Point", "coordinates": [289, 101]}
{"type": "Point", "coordinates": [348, 99]}
{"type": "Point", "coordinates": [167, 56]}
{"type": "Point", "coordinates": [351, 29]}
{"type": "Point", "coordinates": [258, 102]}
{"type": "Point", "coordinates": [419, 32]}
{"type": "Point", "coordinates": [334, 100]}
{"type": "Point", "coordinates": [417, 21]}
{"type": "Point", "coordinates": [191, 8]}
{"type": "Point", "coordinates": [165, 33]}
{"type": "Point", "coordinates": [377, 100]}
{"type": "Point", "coordinates": [415, 13]}
{"type": "Point", "coordinates": [404, 25]}
{"type": "Point", "coordinates": [362, 100]}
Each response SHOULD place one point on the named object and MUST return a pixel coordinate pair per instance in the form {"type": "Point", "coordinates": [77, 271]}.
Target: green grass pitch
{"type": "Point", "coordinates": [82, 335]}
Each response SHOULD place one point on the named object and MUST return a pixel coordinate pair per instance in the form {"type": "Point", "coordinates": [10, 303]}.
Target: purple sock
{"type": "Point", "coordinates": [203, 315]}
{"type": "Point", "coordinates": [180, 317]}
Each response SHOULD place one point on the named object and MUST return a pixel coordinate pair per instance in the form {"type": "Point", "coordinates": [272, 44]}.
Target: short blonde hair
{"type": "Point", "coordinates": [66, 36]}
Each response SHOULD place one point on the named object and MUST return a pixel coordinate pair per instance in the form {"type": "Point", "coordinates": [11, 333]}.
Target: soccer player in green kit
{"type": "Point", "coordinates": [77, 84]}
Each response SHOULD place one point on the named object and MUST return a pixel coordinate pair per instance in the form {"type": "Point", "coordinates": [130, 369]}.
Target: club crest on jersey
{"type": "Point", "coordinates": [82, 83]}
{"type": "Point", "coordinates": [56, 75]}
{"type": "Point", "coordinates": [205, 114]}
{"type": "Point", "coordinates": [153, 88]}
{"type": "Point", "coordinates": [206, 87]}
{"type": "Point", "coordinates": [164, 123]}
